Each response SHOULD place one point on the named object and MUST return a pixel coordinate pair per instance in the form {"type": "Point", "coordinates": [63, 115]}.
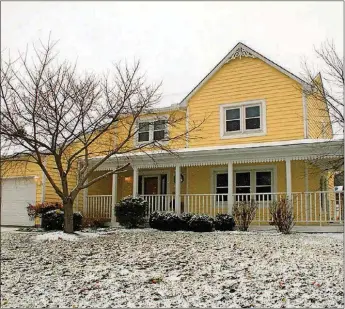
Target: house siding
{"type": "Point", "coordinates": [243, 80]}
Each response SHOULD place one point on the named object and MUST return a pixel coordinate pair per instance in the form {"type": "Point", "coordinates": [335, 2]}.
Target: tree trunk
{"type": "Point", "coordinates": [68, 216]}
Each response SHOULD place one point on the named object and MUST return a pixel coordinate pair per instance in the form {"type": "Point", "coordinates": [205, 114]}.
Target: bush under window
{"type": "Point", "coordinates": [224, 222]}
{"type": "Point", "coordinates": [201, 223]}
{"type": "Point", "coordinates": [282, 215]}
{"type": "Point", "coordinates": [244, 213]}
{"type": "Point", "coordinates": [130, 212]}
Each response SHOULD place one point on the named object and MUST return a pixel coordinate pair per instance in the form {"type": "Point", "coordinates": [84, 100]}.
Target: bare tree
{"type": "Point", "coordinates": [327, 86]}
{"type": "Point", "coordinates": [49, 109]}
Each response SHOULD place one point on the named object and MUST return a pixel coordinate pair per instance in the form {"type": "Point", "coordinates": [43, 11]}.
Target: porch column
{"type": "Point", "coordinates": [113, 198]}
{"type": "Point", "coordinates": [135, 181]}
{"type": "Point", "coordinates": [85, 194]}
{"type": "Point", "coordinates": [178, 189]}
{"type": "Point", "coordinates": [230, 187]}
{"type": "Point", "coordinates": [288, 177]}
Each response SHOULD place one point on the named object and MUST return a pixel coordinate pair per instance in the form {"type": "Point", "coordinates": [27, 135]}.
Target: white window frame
{"type": "Point", "coordinates": [243, 132]}
{"type": "Point", "coordinates": [252, 169]}
{"type": "Point", "coordinates": [151, 120]}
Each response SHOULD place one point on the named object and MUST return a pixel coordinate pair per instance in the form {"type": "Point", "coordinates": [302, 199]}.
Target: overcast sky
{"type": "Point", "coordinates": [178, 43]}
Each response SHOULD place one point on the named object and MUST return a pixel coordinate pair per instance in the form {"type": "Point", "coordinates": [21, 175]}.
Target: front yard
{"type": "Point", "coordinates": [148, 268]}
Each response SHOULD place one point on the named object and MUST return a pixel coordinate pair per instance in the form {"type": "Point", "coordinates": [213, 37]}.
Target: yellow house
{"type": "Point", "coordinates": [260, 135]}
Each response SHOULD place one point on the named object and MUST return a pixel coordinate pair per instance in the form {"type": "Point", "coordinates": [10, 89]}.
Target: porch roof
{"type": "Point", "coordinates": [304, 149]}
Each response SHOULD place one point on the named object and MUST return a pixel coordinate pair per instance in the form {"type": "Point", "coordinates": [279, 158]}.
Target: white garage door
{"type": "Point", "coordinates": [16, 194]}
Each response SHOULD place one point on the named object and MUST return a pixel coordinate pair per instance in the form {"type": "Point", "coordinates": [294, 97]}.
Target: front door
{"type": "Point", "coordinates": [150, 185]}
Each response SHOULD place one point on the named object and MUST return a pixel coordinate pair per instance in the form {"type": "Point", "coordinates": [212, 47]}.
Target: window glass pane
{"type": "Point", "coordinates": [158, 135]}
{"type": "Point", "coordinates": [243, 179]}
{"type": "Point", "coordinates": [222, 180]}
{"type": "Point", "coordinates": [252, 123]}
{"type": "Point", "coordinates": [233, 125]}
{"type": "Point", "coordinates": [143, 137]}
{"type": "Point", "coordinates": [159, 125]}
{"type": "Point", "coordinates": [263, 178]}
{"type": "Point", "coordinates": [232, 114]}
{"type": "Point", "coordinates": [144, 126]}
{"type": "Point", "coordinates": [252, 111]}
{"type": "Point", "coordinates": [266, 189]}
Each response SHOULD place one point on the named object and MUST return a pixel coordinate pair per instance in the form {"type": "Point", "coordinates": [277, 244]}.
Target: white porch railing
{"type": "Point", "coordinates": [160, 202]}
{"type": "Point", "coordinates": [309, 207]}
{"type": "Point", "coordinates": [98, 206]}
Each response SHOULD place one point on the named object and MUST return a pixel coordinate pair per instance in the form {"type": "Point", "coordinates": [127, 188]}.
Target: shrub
{"type": "Point", "coordinates": [171, 222]}
{"type": "Point", "coordinates": [156, 220]}
{"type": "Point", "coordinates": [224, 222]}
{"type": "Point", "coordinates": [165, 221]}
{"type": "Point", "coordinates": [282, 215]}
{"type": "Point", "coordinates": [244, 213]}
{"type": "Point", "coordinates": [39, 209]}
{"type": "Point", "coordinates": [131, 211]}
{"type": "Point", "coordinates": [201, 223]}
{"type": "Point", "coordinates": [185, 218]}
{"type": "Point", "coordinates": [54, 220]}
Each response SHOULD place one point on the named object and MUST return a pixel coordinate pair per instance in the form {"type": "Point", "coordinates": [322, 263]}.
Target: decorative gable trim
{"type": "Point", "coordinates": [239, 51]}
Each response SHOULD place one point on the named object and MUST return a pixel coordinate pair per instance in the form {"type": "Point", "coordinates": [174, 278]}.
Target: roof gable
{"type": "Point", "coordinates": [239, 51]}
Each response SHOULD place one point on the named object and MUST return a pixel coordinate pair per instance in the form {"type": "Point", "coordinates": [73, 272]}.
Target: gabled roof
{"type": "Point", "coordinates": [240, 50]}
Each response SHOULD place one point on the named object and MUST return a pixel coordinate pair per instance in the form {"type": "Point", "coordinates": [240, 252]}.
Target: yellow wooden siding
{"type": "Point", "coordinates": [243, 80]}
{"type": "Point", "coordinates": [319, 123]}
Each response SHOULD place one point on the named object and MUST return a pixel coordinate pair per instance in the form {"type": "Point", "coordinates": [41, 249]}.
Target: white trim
{"type": "Point", "coordinates": [243, 132]}
{"type": "Point", "coordinates": [305, 113]}
{"type": "Point", "coordinates": [159, 189]}
{"type": "Point", "coordinates": [157, 172]}
{"type": "Point", "coordinates": [288, 176]}
{"type": "Point", "coordinates": [220, 155]}
{"type": "Point", "coordinates": [241, 49]}
{"type": "Point", "coordinates": [177, 189]}
{"type": "Point", "coordinates": [113, 197]}
{"type": "Point", "coordinates": [12, 177]}
{"type": "Point", "coordinates": [135, 181]}
{"type": "Point", "coordinates": [245, 168]}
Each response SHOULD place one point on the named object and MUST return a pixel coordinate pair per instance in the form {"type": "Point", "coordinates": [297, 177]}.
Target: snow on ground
{"type": "Point", "coordinates": [166, 269]}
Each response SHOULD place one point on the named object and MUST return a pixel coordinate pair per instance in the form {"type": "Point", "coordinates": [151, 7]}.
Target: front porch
{"type": "Point", "coordinates": [208, 185]}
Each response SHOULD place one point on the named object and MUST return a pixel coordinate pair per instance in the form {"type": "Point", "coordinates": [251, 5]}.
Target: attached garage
{"type": "Point", "coordinates": [16, 194]}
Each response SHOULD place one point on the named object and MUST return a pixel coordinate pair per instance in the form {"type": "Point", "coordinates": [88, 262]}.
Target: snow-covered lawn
{"type": "Point", "coordinates": [147, 268]}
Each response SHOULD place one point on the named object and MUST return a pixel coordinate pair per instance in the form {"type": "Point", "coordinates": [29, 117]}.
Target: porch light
{"type": "Point", "coordinates": [129, 179]}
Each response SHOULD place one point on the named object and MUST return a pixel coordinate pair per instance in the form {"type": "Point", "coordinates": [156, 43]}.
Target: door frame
{"type": "Point", "coordinates": [158, 183]}
{"type": "Point", "coordinates": [156, 173]}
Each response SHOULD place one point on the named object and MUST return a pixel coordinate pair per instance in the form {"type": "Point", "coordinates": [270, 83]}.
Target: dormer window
{"type": "Point", "coordinates": [243, 119]}
{"type": "Point", "coordinates": [154, 130]}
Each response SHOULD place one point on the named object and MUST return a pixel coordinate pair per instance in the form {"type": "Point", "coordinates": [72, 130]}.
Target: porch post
{"type": "Point", "coordinates": [288, 177]}
{"type": "Point", "coordinates": [85, 194]}
{"type": "Point", "coordinates": [230, 187]}
{"type": "Point", "coordinates": [113, 198]}
{"type": "Point", "coordinates": [178, 188]}
{"type": "Point", "coordinates": [135, 181]}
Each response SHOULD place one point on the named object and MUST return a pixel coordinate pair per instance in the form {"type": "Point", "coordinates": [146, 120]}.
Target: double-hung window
{"type": "Point", "coordinates": [243, 119]}
{"type": "Point", "coordinates": [149, 131]}
{"type": "Point", "coordinates": [222, 187]}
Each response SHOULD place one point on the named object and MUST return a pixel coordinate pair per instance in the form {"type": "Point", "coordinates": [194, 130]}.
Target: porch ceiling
{"type": "Point", "coordinates": [308, 149]}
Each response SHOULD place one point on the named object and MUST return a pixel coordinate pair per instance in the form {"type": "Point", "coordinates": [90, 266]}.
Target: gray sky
{"type": "Point", "coordinates": [177, 42]}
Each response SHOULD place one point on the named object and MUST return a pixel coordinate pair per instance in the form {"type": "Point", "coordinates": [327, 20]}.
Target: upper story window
{"type": "Point", "coordinates": [243, 119]}
{"type": "Point", "coordinates": [150, 131]}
